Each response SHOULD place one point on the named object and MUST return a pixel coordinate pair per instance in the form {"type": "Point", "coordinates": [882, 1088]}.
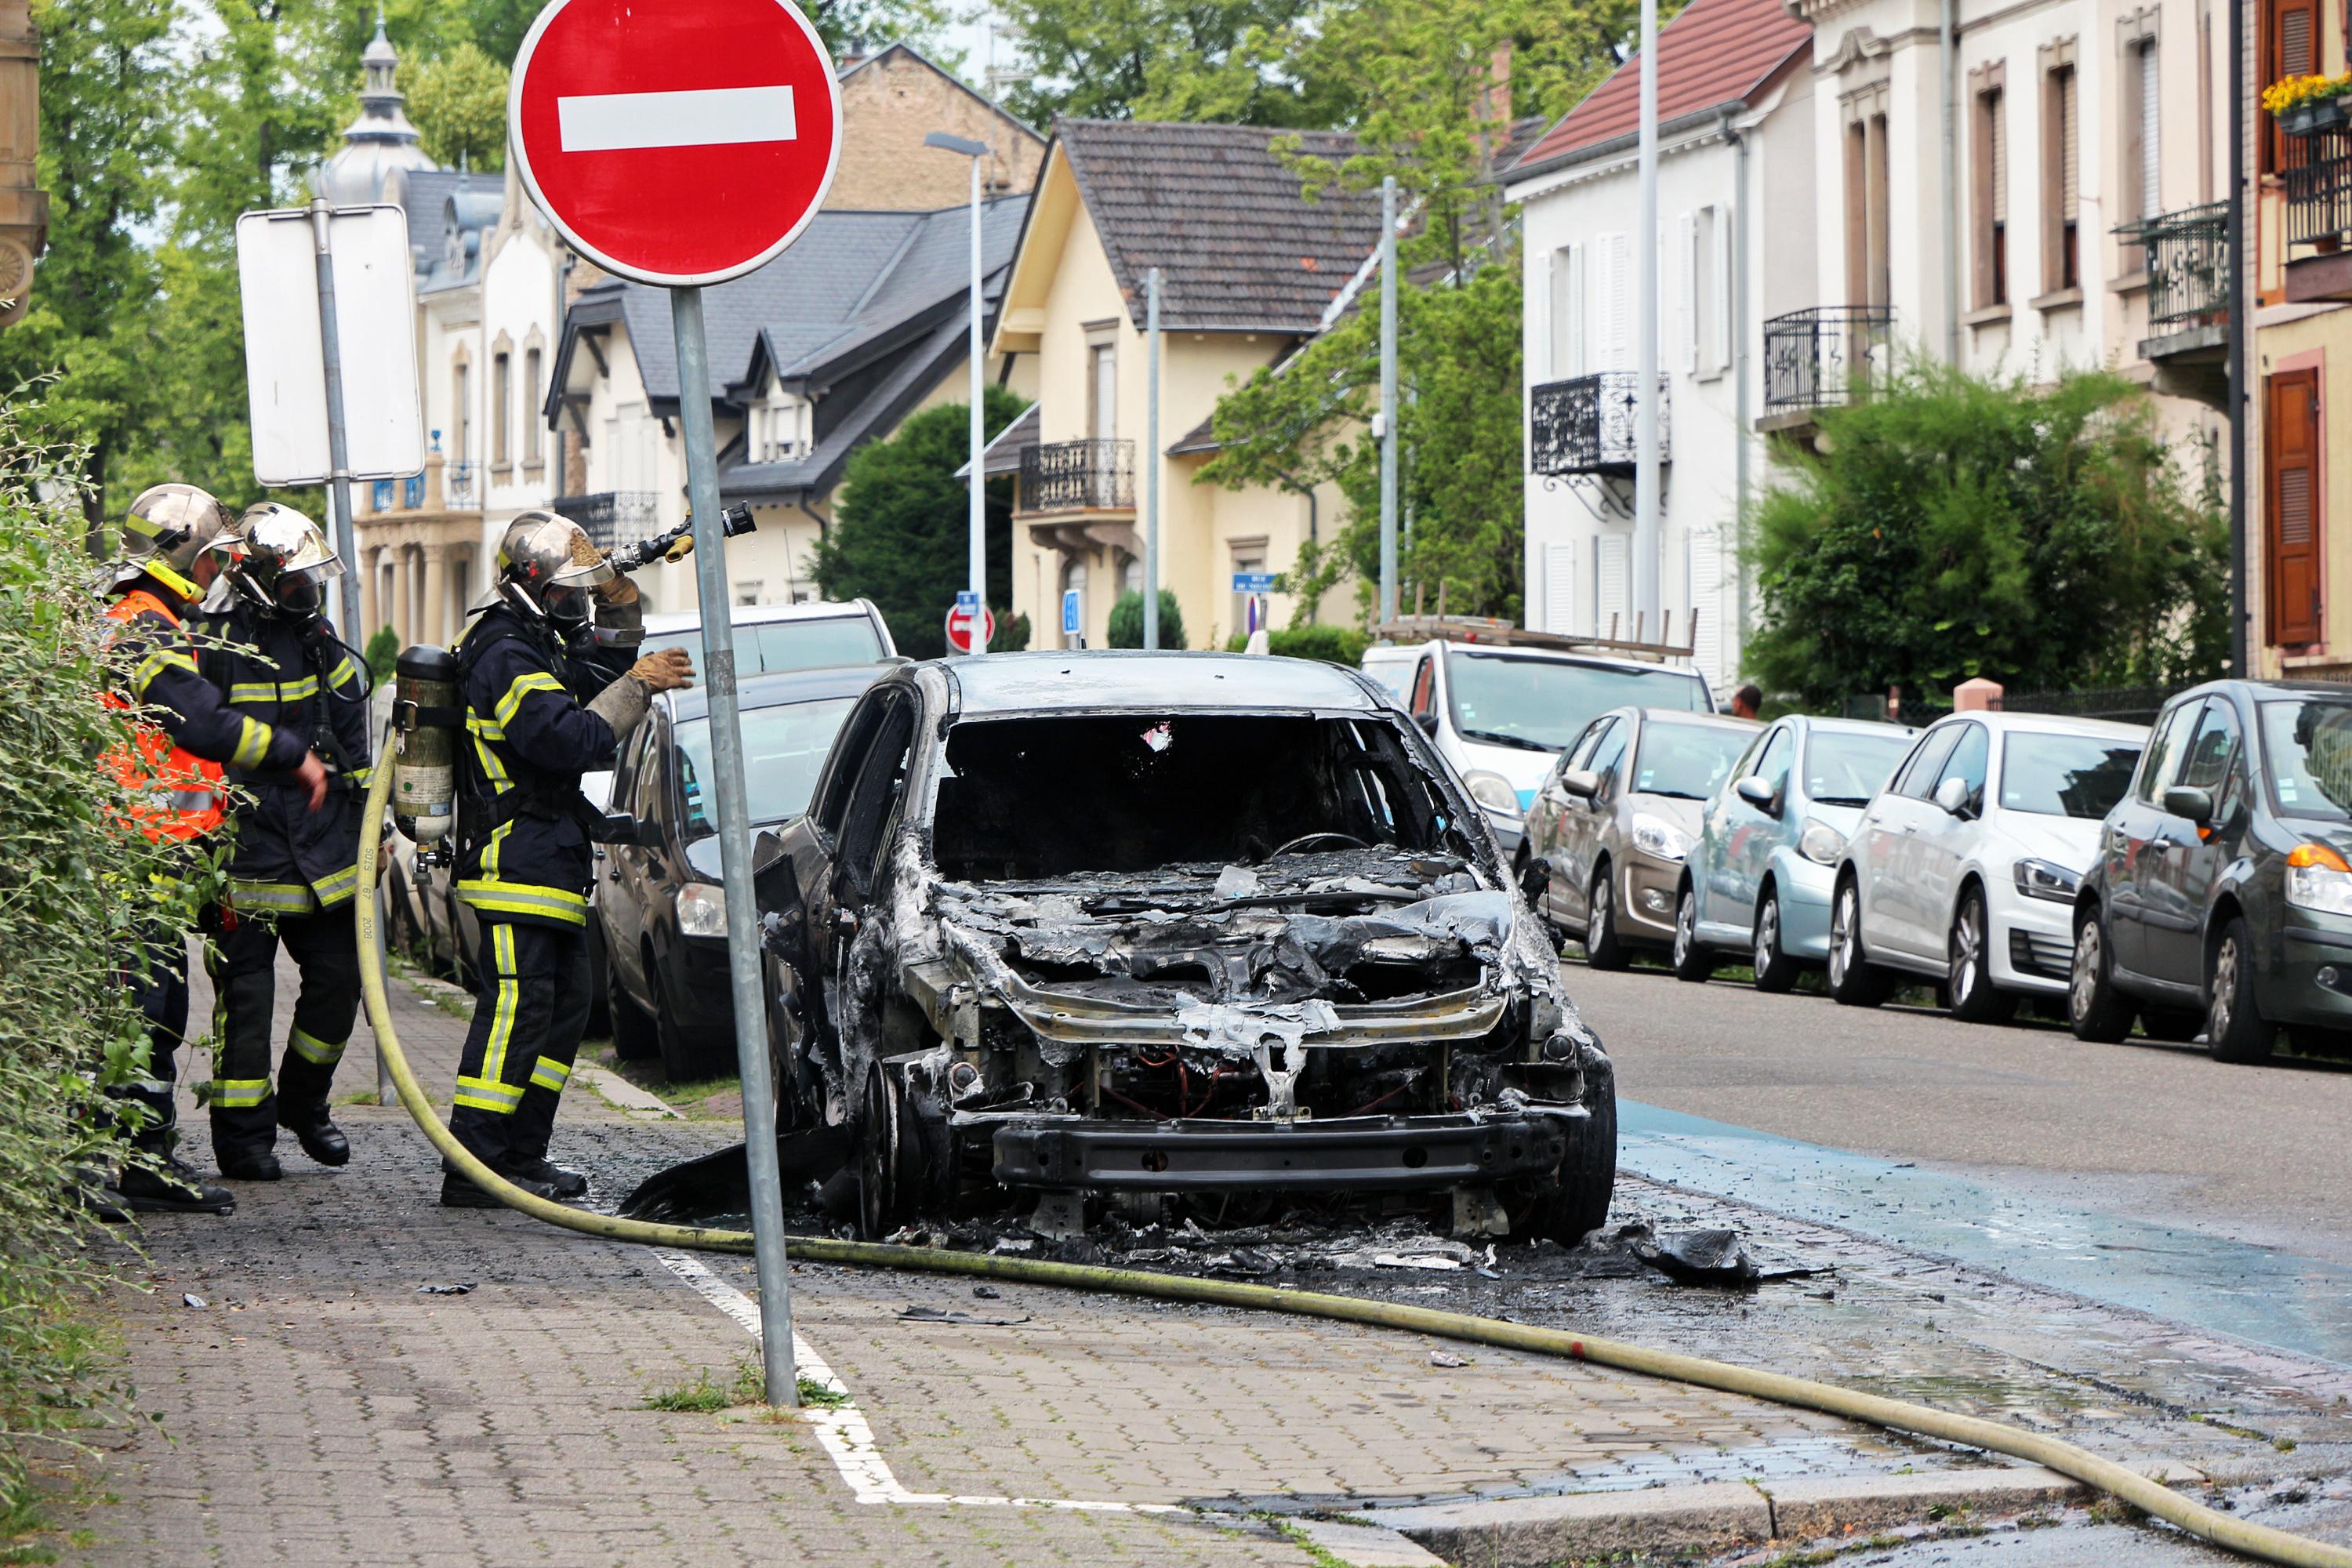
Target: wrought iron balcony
{"type": "Point", "coordinates": [1077, 476]}
{"type": "Point", "coordinates": [612, 518]}
{"type": "Point", "coordinates": [1585, 425]}
{"type": "Point", "coordinates": [461, 485]}
{"type": "Point", "coordinates": [2187, 264]}
{"type": "Point", "coordinates": [2318, 173]}
{"type": "Point", "coordinates": [1828, 355]}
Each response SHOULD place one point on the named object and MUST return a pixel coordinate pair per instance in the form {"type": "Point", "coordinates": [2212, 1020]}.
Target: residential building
{"type": "Point", "coordinates": [1248, 271]}
{"type": "Point", "coordinates": [24, 206]}
{"type": "Point", "coordinates": [863, 322]}
{"type": "Point", "coordinates": [893, 97]}
{"type": "Point", "coordinates": [1734, 111]}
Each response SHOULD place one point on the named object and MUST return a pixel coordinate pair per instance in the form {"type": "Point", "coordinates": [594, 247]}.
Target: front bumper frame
{"type": "Point", "coordinates": [1386, 1153]}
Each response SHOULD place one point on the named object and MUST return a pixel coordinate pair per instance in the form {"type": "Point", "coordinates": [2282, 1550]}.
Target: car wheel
{"type": "Point", "coordinates": [2095, 1010]}
{"type": "Point", "coordinates": [1692, 960]}
{"type": "Point", "coordinates": [1602, 950]}
{"type": "Point", "coordinates": [634, 1038]}
{"type": "Point", "coordinates": [1855, 981]}
{"type": "Point", "coordinates": [600, 1009]}
{"type": "Point", "coordinates": [1774, 970]}
{"type": "Point", "coordinates": [2178, 1025]}
{"type": "Point", "coordinates": [883, 1196]}
{"type": "Point", "coordinates": [1573, 1201]}
{"type": "Point", "coordinates": [1968, 977]}
{"type": "Point", "coordinates": [2235, 1030]}
{"type": "Point", "coordinates": [686, 1058]}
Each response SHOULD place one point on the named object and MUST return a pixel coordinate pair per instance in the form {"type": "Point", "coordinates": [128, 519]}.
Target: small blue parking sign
{"type": "Point", "coordinates": [1070, 612]}
{"type": "Point", "coordinates": [1253, 581]}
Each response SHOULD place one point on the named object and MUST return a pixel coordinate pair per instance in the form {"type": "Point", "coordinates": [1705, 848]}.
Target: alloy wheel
{"type": "Point", "coordinates": [1596, 920]}
{"type": "Point", "coordinates": [2085, 991]}
{"type": "Point", "coordinates": [1767, 935]}
{"type": "Point", "coordinates": [1843, 937]}
{"type": "Point", "coordinates": [1685, 931]}
{"type": "Point", "coordinates": [1967, 953]}
{"type": "Point", "coordinates": [2225, 989]}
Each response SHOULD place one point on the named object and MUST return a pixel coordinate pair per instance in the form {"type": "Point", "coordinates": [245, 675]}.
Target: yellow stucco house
{"type": "Point", "coordinates": [1249, 269]}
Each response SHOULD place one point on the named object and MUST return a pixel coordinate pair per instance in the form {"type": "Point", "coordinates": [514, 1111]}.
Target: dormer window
{"type": "Point", "coordinates": [779, 429]}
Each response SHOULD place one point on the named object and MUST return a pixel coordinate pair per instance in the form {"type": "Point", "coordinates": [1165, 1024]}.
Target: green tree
{"type": "Point", "coordinates": [1212, 59]}
{"type": "Point", "coordinates": [1125, 628]}
{"type": "Point", "coordinates": [459, 102]}
{"type": "Point", "coordinates": [901, 534]}
{"type": "Point", "coordinates": [1956, 526]}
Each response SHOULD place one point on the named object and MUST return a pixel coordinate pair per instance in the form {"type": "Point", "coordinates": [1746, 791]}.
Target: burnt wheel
{"type": "Point", "coordinates": [1573, 1201]}
{"type": "Point", "coordinates": [883, 1198]}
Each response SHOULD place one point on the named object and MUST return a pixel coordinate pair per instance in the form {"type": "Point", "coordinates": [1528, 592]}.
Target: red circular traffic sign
{"type": "Point", "coordinates": [675, 142]}
{"type": "Point", "coordinates": [959, 630]}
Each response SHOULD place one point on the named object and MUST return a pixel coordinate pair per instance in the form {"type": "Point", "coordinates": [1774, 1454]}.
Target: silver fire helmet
{"type": "Point", "coordinates": [551, 565]}
{"type": "Point", "coordinates": [280, 560]}
{"type": "Point", "coordinates": [166, 529]}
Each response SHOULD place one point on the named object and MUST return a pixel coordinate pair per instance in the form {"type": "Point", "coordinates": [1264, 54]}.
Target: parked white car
{"type": "Point", "coordinates": [1963, 868]}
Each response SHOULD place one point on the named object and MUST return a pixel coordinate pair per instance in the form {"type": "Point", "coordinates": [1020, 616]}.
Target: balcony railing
{"type": "Point", "coordinates": [1827, 355]}
{"type": "Point", "coordinates": [1077, 476]}
{"type": "Point", "coordinates": [1585, 425]}
{"type": "Point", "coordinates": [612, 518]}
{"type": "Point", "coordinates": [461, 484]}
{"type": "Point", "coordinates": [2318, 179]}
{"type": "Point", "coordinates": [2188, 267]}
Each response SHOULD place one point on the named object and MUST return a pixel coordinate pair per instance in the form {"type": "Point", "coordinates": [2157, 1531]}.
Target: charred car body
{"type": "Point", "coordinates": [1141, 925]}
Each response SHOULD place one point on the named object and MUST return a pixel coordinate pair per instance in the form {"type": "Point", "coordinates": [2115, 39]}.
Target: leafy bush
{"type": "Point", "coordinates": [75, 885]}
{"type": "Point", "coordinates": [1332, 645]}
{"type": "Point", "coordinates": [382, 654]}
{"type": "Point", "coordinates": [1127, 621]}
{"type": "Point", "coordinates": [1954, 527]}
{"type": "Point", "coordinates": [1012, 634]}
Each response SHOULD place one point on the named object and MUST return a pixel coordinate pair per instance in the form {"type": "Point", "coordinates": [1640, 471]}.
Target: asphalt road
{"type": "Point", "coordinates": [2154, 1133]}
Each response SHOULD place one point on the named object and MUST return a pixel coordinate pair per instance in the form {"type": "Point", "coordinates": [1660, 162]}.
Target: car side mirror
{"type": "Point", "coordinates": [620, 827]}
{"type": "Point", "coordinates": [1535, 878]}
{"type": "Point", "coordinates": [1952, 795]}
{"type": "Point", "coordinates": [1427, 723]}
{"type": "Point", "coordinates": [1582, 783]}
{"type": "Point", "coordinates": [1756, 791]}
{"type": "Point", "coordinates": [2185, 800]}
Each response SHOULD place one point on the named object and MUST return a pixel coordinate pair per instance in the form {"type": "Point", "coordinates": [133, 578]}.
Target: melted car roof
{"type": "Point", "coordinates": [1131, 678]}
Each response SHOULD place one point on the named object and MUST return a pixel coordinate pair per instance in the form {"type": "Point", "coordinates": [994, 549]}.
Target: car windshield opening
{"type": "Point", "coordinates": [1033, 797]}
{"type": "Point", "coordinates": [1543, 704]}
{"type": "Point", "coordinates": [2308, 743]}
{"type": "Point", "coordinates": [775, 647]}
{"type": "Point", "coordinates": [2065, 775]}
{"type": "Point", "coordinates": [1687, 760]}
{"type": "Point", "coordinates": [1844, 768]}
{"type": "Point", "coordinates": [784, 747]}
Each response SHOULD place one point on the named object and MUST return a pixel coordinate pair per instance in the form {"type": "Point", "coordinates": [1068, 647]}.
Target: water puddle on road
{"type": "Point", "coordinates": [2298, 1304]}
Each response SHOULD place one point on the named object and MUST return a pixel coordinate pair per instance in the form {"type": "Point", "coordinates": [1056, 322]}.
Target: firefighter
{"type": "Point", "coordinates": [175, 769]}
{"type": "Point", "coordinates": [276, 661]}
{"type": "Point", "coordinates": [550, 679]}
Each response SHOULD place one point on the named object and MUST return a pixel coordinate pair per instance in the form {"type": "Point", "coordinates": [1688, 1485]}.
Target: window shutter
{"type": "Point", "coordinates": [2151, 191]}
{"type": "Point", "coordinates": [1616, 600]}
{"type": "Point", "coordinates": [1706, 636]}
{"type": "Point", "coordinates": [1995, 104]}
{"type": "Point", "coordinates": [1559, 588]}
{"type": "Point", "coordinates": [1721, 304]}
{"type": "Point", "coordinates": [2297, 25]}
{"type": "Point", "coordinates": [1566, 303]}
{"type": "Point", "coordinates": [2292, 503]}
{"type": "Point", "coordinates": [1613, 291]}
{"type": "Point", "coordinates": [2070, 161]}
{"type": "Point", "coordinates": [1686, 297]}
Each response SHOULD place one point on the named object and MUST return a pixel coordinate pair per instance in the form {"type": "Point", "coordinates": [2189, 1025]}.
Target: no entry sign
{"type": "Point", "coordinates": [962, 621]}
{"type": "Point", "coordinates": [675, 142]}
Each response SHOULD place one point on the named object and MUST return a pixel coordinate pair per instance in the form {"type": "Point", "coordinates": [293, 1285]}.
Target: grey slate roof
{"type": "Point", "coordinates": [914, 373]}
{"type": "Point", "coordinates": [1221, 215]}
{"type": "Point", "coordinates": [845, 284]}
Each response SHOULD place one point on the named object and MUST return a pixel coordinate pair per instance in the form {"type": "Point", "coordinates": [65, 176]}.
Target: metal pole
{"type": "Point", "coordinates": [1743, 428]}
{"type": "Point", "coordinates": [339, 486]}
{"type": "Point", "coordinates": [1645, 337]}
{"type": "Point", "coordinates": [979, 434]}
{"type": "Point", "coordinates": [1388, 431]}
{"type": "Point", "coordinates": [2235, 241]}
{"type": "Point", "coordinates": [735, 849]}
{"type": "Point", "coordinates": [1946, 53]}
{"type": "Point", "coordinates": [1152, 459]}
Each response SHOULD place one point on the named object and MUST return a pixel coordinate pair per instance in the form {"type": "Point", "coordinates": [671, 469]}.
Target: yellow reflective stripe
{"type": "Point", "coordinates": [274, 690]}
{"type": "Point", "coordinates": [312, 1048]}
{"type": "Point", "coordinates": [252, 744]}
{"type": "Point", "coordinates": [279, 898]}
{"type": "Point", "coordinates": [155, 664]}
{"type": "Point", "coordinates": [480, 1094]}
{"type": "Point", "coordinates": [546, 1074]}
{"type": "Point", "coordinates": [335, 890]}
{"type": "Point", "coordinates": [361, 777]}
{"type": "Point", "coordinates": [524, 897]}
{"type": "Point", "coordinates": [510, 997]}
{"type": "Point", "coordinates": [240, 1093]}
{"type": "Point", "coordinates": [524, 685]}
{"type": "Point", "coordinates": [163, 572]}
{"type": "Point", "coordinates": [492, 768]}
{"type": "Point", "coordinates": [346, 673]}
{"type": "Point", "coordinates": [486, 728]}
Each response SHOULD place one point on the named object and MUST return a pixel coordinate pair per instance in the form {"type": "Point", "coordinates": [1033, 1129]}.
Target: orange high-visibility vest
{"type": "Point", "coordinates": [177, 795]}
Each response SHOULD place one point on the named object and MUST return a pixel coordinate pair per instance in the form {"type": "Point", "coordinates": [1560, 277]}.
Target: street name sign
{"type": "Point", "coordinates": [675, 142]}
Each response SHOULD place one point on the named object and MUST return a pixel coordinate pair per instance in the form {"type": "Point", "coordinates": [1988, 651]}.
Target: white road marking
{"type": "Point", "coordinates": [842, 1430]}
{"type": "Point", "coordinates": [616, 122]}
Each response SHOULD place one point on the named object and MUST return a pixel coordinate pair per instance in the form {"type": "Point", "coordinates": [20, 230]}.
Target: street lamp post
{"type": "Point", "coordinates": [978, 545]}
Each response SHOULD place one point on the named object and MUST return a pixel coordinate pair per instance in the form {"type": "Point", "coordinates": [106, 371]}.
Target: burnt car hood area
{"type": "Point", "coordinates": [1201, 950]}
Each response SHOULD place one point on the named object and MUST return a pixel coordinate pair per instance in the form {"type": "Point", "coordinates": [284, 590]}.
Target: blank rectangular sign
{"type": "Point", "coordinates": [375, 316]}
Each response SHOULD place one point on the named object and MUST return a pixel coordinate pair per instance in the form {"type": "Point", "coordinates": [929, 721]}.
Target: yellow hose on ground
{"type": "Point", "coordinates": [1894, 1415]}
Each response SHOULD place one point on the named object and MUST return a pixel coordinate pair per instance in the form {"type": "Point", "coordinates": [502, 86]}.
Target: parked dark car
{"type": "Point", "coordinates": [2220, 901]}
{"type": "Point", "coordinates": [1153, 928]}
{"type": "Point", "coordinates": [660, 908]}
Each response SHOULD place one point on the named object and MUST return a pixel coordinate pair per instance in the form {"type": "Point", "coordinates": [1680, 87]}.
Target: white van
{"type": "Point", "coordinates": [1501, 714]}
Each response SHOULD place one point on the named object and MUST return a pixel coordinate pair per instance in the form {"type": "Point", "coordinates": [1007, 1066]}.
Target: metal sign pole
{"type": "Point", "coordinates": [339, 486]}
{"type": "Point", "coordinates": [735, 847]}
{"type": "Point", "coordinates": [979, 522]}
{"type": "Point", "coordinates": [1388, 416]}
{"type": "Point", "coordinates": [1151, 461]}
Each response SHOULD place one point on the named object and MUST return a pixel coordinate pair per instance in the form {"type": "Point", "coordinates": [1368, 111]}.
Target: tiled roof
{"type": "Point", "coordinates": [1221, 215]}
{"type": "Point", "coordinates": [1715, 52]}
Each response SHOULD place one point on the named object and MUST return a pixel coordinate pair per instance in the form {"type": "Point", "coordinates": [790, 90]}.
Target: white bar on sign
{"type": "Point", "coordinates": [613, 121]}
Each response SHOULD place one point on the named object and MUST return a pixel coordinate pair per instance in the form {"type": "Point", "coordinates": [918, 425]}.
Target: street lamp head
{"type": "Point", "coordinates": [947, 143]}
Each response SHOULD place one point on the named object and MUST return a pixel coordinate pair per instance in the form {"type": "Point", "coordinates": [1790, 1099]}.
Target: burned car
{"type": "Point", "coordinates": [1148, 930]}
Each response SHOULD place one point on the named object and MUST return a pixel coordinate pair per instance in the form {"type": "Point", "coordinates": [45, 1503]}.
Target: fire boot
{"type": "Point", "coordinates": [320, 1138]}
{"type": "Point", "coordinates": [565, 1183]}
{"type": "Point", "coordinates": [459, 1192]}
{"type": "Point", "coordinates": [248, 1162]}
{"type": "Point", "coordinates": [176, 1189]}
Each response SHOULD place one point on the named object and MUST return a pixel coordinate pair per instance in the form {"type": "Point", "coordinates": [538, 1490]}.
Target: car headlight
{"type": "Point", "coordinates": [701, 909]}
{"type": "Point", "coordinates": [1821, 843]}
{"type": "Point", "coordinates": [1492, 791]}
{"type": "Point", "coordinates": [2046, 880]}
{"type": "Point", "coordinates": [2318, 880]}
{"type": "Point", "coordinates": [1656, 836]}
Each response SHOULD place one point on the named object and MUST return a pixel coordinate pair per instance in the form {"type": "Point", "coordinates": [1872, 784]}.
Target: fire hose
{"type": "Point", "coordinates": [1893, 1415]}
